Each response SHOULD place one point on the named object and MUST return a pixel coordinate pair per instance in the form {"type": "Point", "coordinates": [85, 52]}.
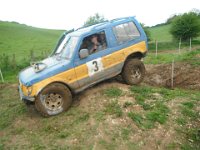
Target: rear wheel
{"type": "Point", "coordinates": [53, 100]}
{"type": "Point", "coordinates": [133, 72]}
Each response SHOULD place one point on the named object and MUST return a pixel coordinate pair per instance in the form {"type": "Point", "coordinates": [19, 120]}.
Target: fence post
{"type": "Point", "coordinates": [179, 47]}
{"type": "Point", "coordinates": [14, 61]}
{"type": "Point", "coordinates": [172, 75]}
{"type": "Point", "coordinates": [190, 44]}
{"type": "Point", "coordinates": [156, 48]}
{"type": "Point", "coordinates": [1, 76]}
{"type": "Point", "coordinates": [32, 55]}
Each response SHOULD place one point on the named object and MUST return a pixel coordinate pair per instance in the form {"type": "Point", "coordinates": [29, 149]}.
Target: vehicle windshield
{"type": "Point", "coordinates": [66, 47]}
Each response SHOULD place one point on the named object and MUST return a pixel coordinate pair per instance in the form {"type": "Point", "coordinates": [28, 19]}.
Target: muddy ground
{"type": "Point", "coordinates": [185, 76]}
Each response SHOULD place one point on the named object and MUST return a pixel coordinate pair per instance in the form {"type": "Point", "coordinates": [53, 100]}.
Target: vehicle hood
{"type": "Point", "coordinates": [52, 67]}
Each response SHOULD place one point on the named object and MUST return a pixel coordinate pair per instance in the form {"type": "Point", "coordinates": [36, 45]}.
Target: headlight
{"type": "Point", "coordinates": [29, 90]}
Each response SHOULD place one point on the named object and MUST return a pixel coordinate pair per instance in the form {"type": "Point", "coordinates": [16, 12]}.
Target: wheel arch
{"type": "Point", "coordinates": [60, 82]}
{"type": "Point", "coordinates": [137, 54]}
{"type": "Point", "coordinates": [134, 55]}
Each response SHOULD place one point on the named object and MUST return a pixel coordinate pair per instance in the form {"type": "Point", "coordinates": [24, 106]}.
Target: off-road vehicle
{"type": "Point", "coordinates": [83, 58]}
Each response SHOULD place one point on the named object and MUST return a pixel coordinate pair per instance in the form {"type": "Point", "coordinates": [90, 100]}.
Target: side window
{"type": "Point", "coordinates": [95, 42]}
{"type": "Point", "coordinates": [126, 32]}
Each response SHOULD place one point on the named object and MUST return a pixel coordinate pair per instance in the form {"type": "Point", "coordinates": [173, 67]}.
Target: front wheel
{"type": "Point", "coordinates": [133, 72]}
{"type": "Point", "coordinates": [53, 100]}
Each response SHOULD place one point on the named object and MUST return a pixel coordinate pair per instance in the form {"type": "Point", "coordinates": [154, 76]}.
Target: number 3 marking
{"type": "Point", "coordinates": [96, 66]}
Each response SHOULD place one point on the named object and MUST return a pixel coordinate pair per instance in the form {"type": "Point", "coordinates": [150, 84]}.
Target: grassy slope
{"type": "Point", "coordinates": [21, 39]}
{"type": "Point", "coordinates": [165, 39]}
{"type": "Point", "coordinates": [161, 33]}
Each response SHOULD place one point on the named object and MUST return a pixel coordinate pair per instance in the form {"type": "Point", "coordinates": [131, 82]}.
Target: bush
{"type": "Point", "coordinates": [186, 26]}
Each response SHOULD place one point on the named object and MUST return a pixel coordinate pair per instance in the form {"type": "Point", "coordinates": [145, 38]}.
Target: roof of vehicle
{"type": "Point", "coordinates": [96, 27]}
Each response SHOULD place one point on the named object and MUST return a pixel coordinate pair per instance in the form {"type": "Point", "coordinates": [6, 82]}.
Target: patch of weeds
{"type": "Point", "coordinates": [181, 121]}
{"type": "Point", "coordinates": [155, 112]}
{"type": "Point", "coordinates": [133, 146]}
{"type": "Point", "coordinates": [107, 145]}
{"type": "Point", "coordinates": [9, 115]}
{"type": "Point", "coordinates": [171, 94]}
{"type": "Point", "coordinates": [193, 139]}
{"type": "Point", "coordinates": [189, 105]}
{"type": "Point", "coordinates": [171, 146]}
{"type": "Point", "coordinates": [125, 133]}
{"type": "Point", "coordinates": [99, 116]}
{"type": "Point", "coordinates": [114, 108]}
{"type": "Point", "coordinates": [49, 128]}
{"type": "Point", "coordinates": [144, 105]}
{"type": "Point", "coordinates": [195, 96]}
{"type": "Point", "coordinates": [159, 114]}
{"type": "Point", "coordinates": [63, 135]}
{"type": "Point", "coordinates": [141, 94]}
{"type": "Point", "coordinates": [136, 117]}
{"type": "Point", "coordinates": [156, 116]}
{"type": "Point", "coordinates": [38, 146]}
{"type": "Point", "coordinates": [113, 92]}
{"type": "Point", "coordinates": [84, 117]}
{"type": "Point", "coordinates": [18, 130]}
{"type": "Point", "coordinates": [1, 146]}
{"type": "Point", "coordinates": [194, 136]}
{"type": "Point", "coordinates": [188, 112]}
{"type": "Point", "coordinates": [144, 91]}
{"type": "Point", "coordinates": [3, 140]}
{"type": "Point", "coordinates": [127, 104]}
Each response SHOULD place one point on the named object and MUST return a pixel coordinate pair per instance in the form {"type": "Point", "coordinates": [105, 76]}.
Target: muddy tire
{"type": "Point", "coordinates": [133, 72]}
{"type": "Point", "coordinates": [53, 100]}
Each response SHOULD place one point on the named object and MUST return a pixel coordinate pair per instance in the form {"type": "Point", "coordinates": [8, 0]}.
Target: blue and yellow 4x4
{"type": "Point", "coordinates": [83, 58]}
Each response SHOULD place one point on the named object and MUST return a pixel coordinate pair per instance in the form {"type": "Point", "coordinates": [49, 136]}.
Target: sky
{"type": "Point", "coordinates": [68, 14]}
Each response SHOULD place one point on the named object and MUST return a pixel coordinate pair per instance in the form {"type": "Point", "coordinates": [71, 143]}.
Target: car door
{"type": "Point", "coordinates": [91, 69]}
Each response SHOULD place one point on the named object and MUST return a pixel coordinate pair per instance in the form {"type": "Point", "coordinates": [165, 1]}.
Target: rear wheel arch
{"type": "Point", "coordinates": [134, 55]}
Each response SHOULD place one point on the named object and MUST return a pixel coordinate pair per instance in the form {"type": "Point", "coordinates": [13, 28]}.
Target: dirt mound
{"type": "Point", "coordinates": [185, 75]}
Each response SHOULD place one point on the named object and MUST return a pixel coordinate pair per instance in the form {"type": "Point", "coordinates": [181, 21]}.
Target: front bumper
{"type": "Point", "coordinates": [24, 97]}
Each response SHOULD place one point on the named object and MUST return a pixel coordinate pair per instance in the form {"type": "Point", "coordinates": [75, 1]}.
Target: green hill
{"type": "Point", "coordinates": [161, 33]}
{"type": "Point", "coordinates": [20, 39]}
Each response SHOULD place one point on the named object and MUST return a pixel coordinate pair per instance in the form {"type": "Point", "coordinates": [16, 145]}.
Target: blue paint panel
{"type": "Point", "coordinates": [28, 76]}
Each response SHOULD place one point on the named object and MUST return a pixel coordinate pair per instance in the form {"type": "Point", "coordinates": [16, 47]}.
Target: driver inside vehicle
{"type": "Point", "coordinates": [95, 42]}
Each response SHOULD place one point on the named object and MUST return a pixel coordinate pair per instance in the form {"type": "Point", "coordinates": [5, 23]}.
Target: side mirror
{"type": "Point", "coordinates": [84, 53]}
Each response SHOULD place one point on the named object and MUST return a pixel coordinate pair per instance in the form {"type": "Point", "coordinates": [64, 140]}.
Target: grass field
{"type": "Point", "coordinates": [161, 33]}
{"type": "Point", "coordinates": [165, 39]}
{"type": "Point", "coordinates": [20, 39]}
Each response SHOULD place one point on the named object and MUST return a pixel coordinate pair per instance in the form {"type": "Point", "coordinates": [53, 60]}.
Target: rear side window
{"type": "Point", "coordinates": [126, 32]}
